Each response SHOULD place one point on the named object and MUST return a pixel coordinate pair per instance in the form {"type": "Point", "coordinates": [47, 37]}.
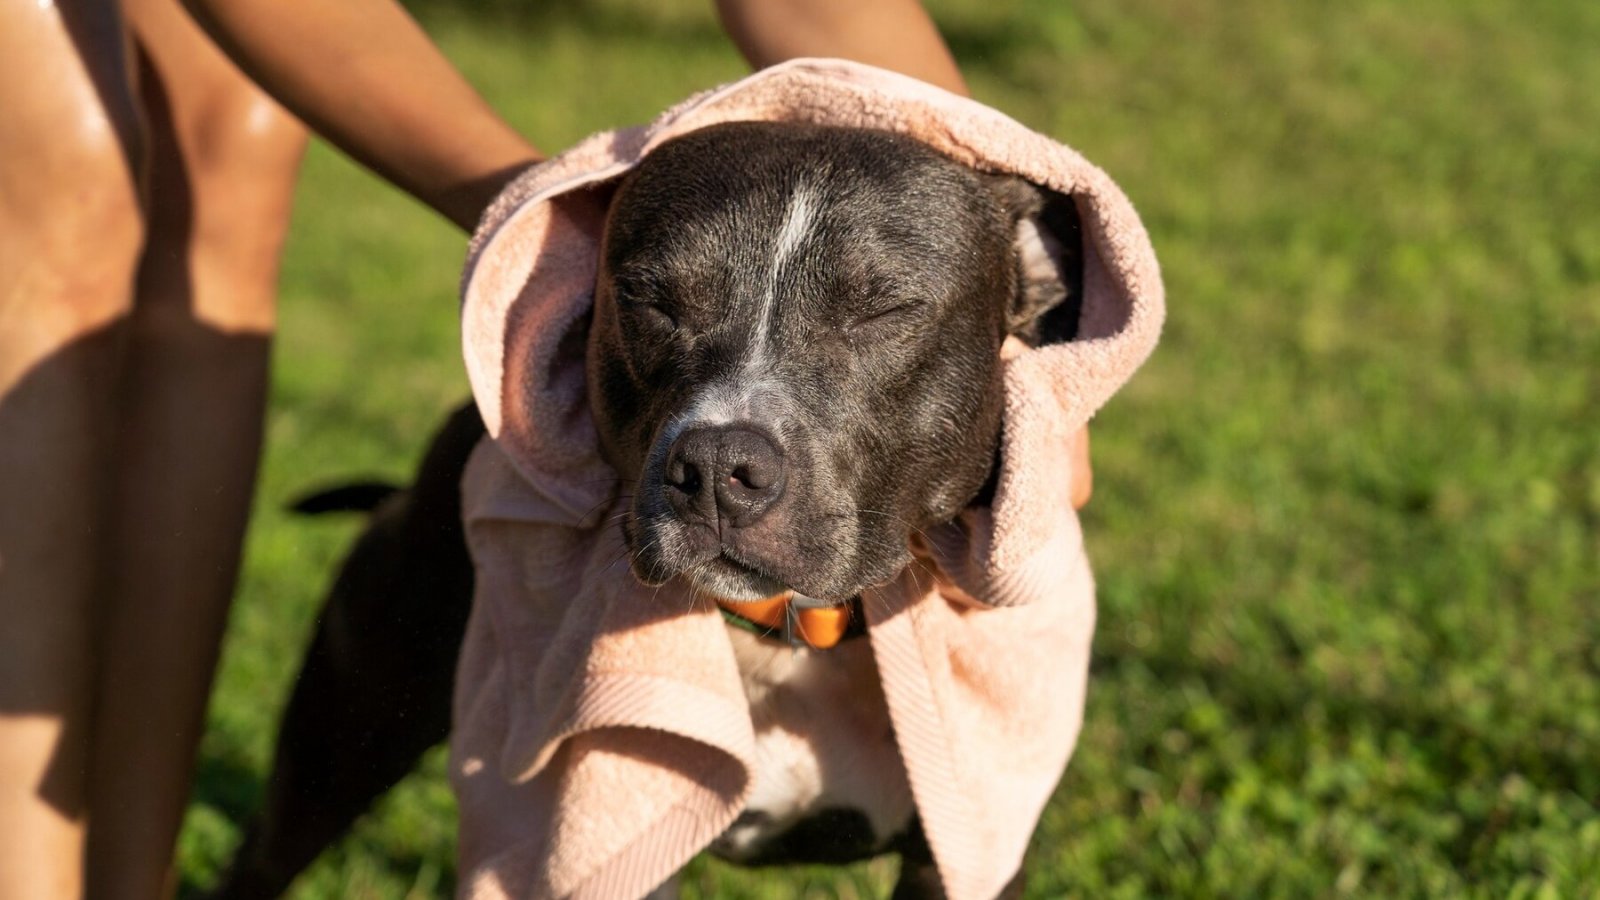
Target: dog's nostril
{"type": "Point", "coordinates": [685, 476]}
{"type": "Point", "coordinates": [757, 476]}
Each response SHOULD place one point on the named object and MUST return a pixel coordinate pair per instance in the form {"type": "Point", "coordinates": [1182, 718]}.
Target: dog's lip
{"type": "Point", "coordinates": [776, 585]}
{"type": "Point", "coordinates": [728, 558]}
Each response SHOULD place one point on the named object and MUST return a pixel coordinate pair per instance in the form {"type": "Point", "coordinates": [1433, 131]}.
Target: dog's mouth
{"type": "Point", "coordinates": [721, 571]}
{"type": "Point", "coordinates": [725, 577]}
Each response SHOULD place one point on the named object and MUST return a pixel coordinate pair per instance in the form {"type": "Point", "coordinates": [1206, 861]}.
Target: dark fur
{"type": "Point", "coordinates": [881, 349]}
{"type": "Point", "coordinates": [373, 693]}
{"type": "Point", "coordinates": [876, 404]}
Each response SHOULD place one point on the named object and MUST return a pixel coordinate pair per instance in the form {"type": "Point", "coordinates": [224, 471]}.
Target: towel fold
{"type": "Point", "coordinates": [602, 736]}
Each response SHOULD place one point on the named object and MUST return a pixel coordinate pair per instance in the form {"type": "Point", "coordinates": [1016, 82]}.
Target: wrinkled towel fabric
{"type": "Point", "coordinates": [602, 737]}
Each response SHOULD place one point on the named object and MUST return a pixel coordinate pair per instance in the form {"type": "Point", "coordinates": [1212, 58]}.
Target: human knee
{"type": "Point", "coordinates": [243, 152]}
{"type": "Point", "coordinates": [240, 154]}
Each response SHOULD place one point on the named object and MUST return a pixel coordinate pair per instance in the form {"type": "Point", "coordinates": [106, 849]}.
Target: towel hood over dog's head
{"type": "Point", "coordinates": [553, 659]}
{"type": "Point", "coordinates": [794, 357]}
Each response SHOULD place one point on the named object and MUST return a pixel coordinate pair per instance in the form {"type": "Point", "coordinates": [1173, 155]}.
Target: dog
{"type": "Point", "coordinates": [794, 362]}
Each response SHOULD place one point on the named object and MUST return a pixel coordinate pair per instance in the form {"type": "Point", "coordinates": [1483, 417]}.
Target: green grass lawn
{"type": "Point", "coordinates": [1347, 520]}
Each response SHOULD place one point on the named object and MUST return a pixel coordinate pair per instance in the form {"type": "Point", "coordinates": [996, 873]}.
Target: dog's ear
{"type": "Point", "coordinates": [1048, 242]}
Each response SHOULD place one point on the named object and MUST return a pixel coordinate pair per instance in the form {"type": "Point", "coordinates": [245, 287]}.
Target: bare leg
{"type": "Point", "coordinates": [70, 232]}
{"type": "Point", "coordinates": [223, 161]}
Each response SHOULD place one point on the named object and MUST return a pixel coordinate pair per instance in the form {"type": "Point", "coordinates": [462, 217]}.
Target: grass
{"type": "Point", "coordinates": [1347, 520]}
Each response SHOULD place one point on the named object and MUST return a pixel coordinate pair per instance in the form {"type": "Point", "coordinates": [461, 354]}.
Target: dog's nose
{"type": "Point", "coordinates": [725, 472]}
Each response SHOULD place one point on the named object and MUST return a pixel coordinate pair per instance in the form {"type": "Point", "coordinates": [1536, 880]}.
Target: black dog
{"type": "Point", "coordinates": [795, 354]}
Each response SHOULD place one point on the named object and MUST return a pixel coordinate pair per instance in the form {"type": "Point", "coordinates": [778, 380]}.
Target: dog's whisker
{"type": "Point", "coordinates": [697, 593]}
{"type": "Point", "coordinates": [609, 566]}
{"type": "Point", "coordinates": [615, 480]}
{"type": "Point", "coordinates": [899, 519]}
{"type": "Point", "coordinates": [623, 554]}
{"type": "Point", "coordinates": [593, 509]}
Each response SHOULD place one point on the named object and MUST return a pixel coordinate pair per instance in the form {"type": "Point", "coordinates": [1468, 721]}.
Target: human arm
{"type": "Point", "coordinates": [890, 34]}
{"type": "Point", "coordinates": [365, 76]}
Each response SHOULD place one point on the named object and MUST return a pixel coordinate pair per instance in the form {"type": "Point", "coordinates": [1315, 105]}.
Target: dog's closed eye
{"type": "Point", "coordinates": [886, 315]}
{"type": "Point", "coordinates": [642, 296]}
{"type": "Point", "coordinates": [653, 314]}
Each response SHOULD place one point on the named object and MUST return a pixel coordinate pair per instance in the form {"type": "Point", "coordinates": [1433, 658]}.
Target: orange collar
{"type": "Point", "coordinates": [798, 621]}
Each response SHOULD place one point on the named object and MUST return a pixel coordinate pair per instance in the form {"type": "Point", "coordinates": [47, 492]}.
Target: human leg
{"type": "Point", "coordinates": [70, 234]}
{"type": "Point", "coordinates": [223, 161]}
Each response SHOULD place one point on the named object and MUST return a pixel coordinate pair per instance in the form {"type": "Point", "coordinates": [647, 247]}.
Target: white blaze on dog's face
{"type": "Point", "coordinates": [794, 356]}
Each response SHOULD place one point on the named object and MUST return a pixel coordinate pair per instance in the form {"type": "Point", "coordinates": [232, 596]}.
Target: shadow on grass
{"type": "Point", "coordinates": [235, 789]}
{"type": "Point", "coordinates": [228, 785]}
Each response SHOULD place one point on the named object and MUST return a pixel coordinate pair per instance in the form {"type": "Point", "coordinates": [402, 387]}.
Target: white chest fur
{"type": "Point", "coordinates": [823, 741]}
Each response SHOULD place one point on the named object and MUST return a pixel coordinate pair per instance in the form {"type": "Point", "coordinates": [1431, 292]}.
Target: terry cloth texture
{"type": "Point", "coordinates": [602, 737]}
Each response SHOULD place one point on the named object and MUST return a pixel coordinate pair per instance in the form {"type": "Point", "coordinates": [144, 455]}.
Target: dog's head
{"type": "Point", "coordinates": [795, 353]}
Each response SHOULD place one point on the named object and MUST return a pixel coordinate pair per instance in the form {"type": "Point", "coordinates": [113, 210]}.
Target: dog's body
{"type": "Point", "coordinates": [829, 783]}
{"type": "Point", "coordinates": [795, 361]}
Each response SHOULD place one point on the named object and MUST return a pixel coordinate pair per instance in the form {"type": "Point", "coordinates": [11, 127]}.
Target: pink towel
{"type": "Point", "coordinates": [602, 737]}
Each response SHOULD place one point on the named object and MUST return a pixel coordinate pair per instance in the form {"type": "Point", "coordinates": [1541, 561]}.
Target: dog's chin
{"type": "Point", "coordinates": [659, 553]}
{"type": "Point", "coordinates": [717, 576]}
{"type": "Point", "coordinates": [727, 579]}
